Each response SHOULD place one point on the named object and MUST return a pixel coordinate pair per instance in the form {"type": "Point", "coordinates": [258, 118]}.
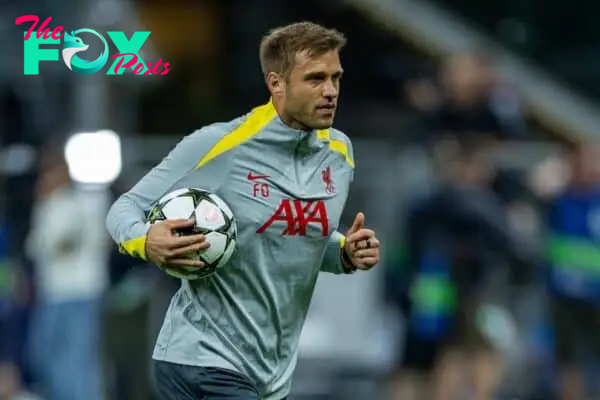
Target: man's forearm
{"type": "Point", "coordinates": [126, 224]}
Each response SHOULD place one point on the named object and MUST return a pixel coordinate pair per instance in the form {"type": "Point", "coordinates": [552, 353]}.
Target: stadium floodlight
{"type": "Point", "coordinates": [94, 157]}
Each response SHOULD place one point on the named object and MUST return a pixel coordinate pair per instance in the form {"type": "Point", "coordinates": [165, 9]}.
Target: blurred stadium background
{"type": "Point", "coordinates": [528, 73]}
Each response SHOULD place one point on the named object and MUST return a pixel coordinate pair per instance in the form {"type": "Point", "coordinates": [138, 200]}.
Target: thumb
{"type": "Point", "coordinates": [358, 224]}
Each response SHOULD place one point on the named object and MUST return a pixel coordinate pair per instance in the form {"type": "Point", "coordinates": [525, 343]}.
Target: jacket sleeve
{"type": "Point", "coordinates": [126, 219]}
{"type": "Point", "coordinates": [332, 262]}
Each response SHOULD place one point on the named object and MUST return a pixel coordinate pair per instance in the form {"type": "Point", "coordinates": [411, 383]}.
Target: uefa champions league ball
{"type": "Point", "coordinates": [212, 218]}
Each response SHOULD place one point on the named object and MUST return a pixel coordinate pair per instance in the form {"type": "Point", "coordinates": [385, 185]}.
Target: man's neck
{"type": "Point", "coordinates": [287, 119]}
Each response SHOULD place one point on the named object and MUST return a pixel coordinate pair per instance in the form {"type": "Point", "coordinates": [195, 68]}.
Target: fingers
{"type": "Point", "coordinates": [180, 246]}
{"type": "Point", "coordinates": [179, 223]}
{"type": "Point", "coordinates": [358, 224]}
{"type": "Point", "coordinates": [366, 253]}
{"type": "Point", "coordinates": [164, 247]}
{"type": "Point", "coordinates": [179, 242]}
{"type": "Point", "coordinates": [361, 234]}
{"type": "Point", "coordinates": [183, 244]}
{"type": "Point", "coordinates": [192, 248]}
{"type": "Point", "coordinates": [369, 261]}
{"type": "Point", "coordinates": [365, 263]}
{"type": "Point", "coordinates": [371, 243]}
{"type": "Point", "coordinates": [186, 262]}
{"type": "Point", "coordinates": [361, 244]}
{"type": "Point", "coordinates": [171, 259]}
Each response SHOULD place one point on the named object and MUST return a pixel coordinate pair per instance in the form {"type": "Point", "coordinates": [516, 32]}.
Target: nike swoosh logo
{"type": "Point", "coordinates": [255, 177]}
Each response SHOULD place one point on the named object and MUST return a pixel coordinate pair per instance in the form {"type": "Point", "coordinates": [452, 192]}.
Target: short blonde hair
{"type": "Point", "coordinates": [279, 47]}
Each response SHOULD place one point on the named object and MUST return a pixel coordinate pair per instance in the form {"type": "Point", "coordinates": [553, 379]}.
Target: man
{"type": "Point", "coordinates": [468, 99]}
{"type": "Point", "coordinates": [574, 262]}
{"type": "Point", "coordinates": [235, 335]}
{"type": "Point", "coordinates": [67, 245]}
{"type": "Point", "coordinates": [450, 235]}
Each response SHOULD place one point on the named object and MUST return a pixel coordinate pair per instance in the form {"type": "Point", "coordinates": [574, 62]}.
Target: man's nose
{"type": "Point", "coordinates": [329, 89]}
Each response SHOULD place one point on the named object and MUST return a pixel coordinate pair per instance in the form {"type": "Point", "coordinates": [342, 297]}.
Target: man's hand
{"type": "Point", "coordinates": [163, 246]}
{"type": "Point", "coordinates": [362, 247]}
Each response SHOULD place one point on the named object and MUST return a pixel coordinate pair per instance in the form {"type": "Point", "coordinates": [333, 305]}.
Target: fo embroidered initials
{"type": "Point", "coordinates": [297, 214]}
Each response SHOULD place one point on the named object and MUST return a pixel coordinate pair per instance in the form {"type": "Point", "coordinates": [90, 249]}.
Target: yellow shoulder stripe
{"type": "Point", "coordinates": [323, 134]}
{"type": "Point", "coordinates": [340, 147]}
{"type": "Point", "coordinates": [335, 145]}
{"type": "Point", "coordinates": [254, 123]}
{"type": "Point", "coordinates": [134, 247]}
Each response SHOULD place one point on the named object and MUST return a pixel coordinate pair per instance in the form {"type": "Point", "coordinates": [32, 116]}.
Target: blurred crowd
{"type": "Point", "coordinates": [74, 312]}
{"type": "Point", "coordinates": [492, 270]}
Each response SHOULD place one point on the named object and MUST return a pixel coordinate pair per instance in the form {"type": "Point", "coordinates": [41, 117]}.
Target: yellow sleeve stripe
{"type": "Point", "coordinates": [134, 247]}
{"type": "Point", "coordinates": [254, 123]}
{"type": "Point", "coordinates": [342, 241]}
{"type": "Point", "coordinates": [335, 145]}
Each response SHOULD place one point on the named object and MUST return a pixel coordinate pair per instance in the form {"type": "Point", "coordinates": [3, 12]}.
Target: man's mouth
{"type": "Point", "coordinates": [326, 108]}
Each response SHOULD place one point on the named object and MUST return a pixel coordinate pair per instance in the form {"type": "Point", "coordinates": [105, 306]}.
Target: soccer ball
{"type": "Point", "coordinates": [213, 218]}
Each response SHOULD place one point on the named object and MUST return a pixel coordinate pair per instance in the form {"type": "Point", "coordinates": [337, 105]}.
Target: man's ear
{"type": "Point", "coordinates": [275, 83]}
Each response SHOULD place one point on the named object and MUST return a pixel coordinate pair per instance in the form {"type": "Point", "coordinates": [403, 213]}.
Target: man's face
{"type": "Point", "coordinates": [312, 90]}
{"type": "Point", "coordinates": [465, 78]}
